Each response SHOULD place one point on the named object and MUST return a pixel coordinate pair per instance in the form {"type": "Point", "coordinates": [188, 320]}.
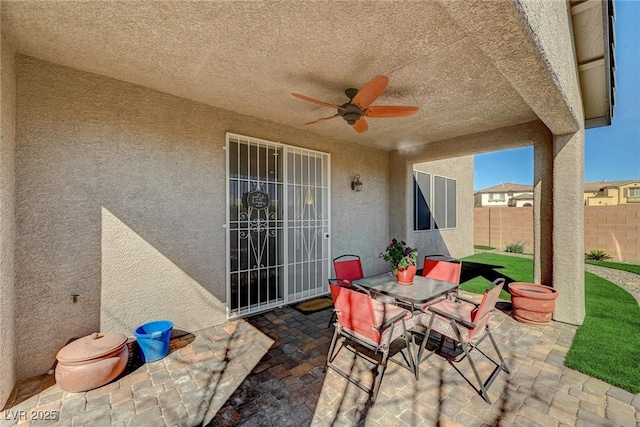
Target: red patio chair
{"type": "Point", "coordinates": [347, 268]}
{"type": "Point", "coordinates": [448, 271]}
{"type": "Point", "coordinates": [467, 323]}
{"type": "Point", "coordinates": [372, 324]}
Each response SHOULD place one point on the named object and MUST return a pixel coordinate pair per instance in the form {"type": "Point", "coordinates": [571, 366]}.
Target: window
{"type": "Point", "coordinates": [435, 201]}
{"type": "Point", "coordinates": [496, 197]}
{"type": "Point", "coordinates": [634, 192]}
{"type": "Point", "coordinates": [421, 201]}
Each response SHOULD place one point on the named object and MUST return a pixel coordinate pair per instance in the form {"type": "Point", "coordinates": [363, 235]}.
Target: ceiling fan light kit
{"type": "Point", "coordinates": [359, 105]}
{"type": "Point", "coordinates": [351, 113]}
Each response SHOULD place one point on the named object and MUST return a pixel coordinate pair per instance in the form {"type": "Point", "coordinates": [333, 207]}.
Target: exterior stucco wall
{"type": "Point", "coordinates": [543, 211]}
{"type": "Point", "coordinates": [121, 199]}
{"type": "Point", "coordinates": [453, 158]}
{"type": "Point", "coordinates": [7, 220]}
{"type": "Point", "coordinates": [551, 29]}
{"type": "Point", "coordinates": [531, 44]}
{"type": "Point", "coordinates": [568, 228]}
{"type": "Point", "coordinates": [456, 242]}
{"type": "Point", "coordinates": [550, 22]}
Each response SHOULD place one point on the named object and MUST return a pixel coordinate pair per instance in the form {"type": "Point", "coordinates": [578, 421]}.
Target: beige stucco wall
{"type": "Point", "coordinates": [543, 211]}
{"type": "Point", "coordinates": [7, 220]}
{"type": "Point", "coordinates": [551, 31]}
{"type": "Point", "coordinates": [568, 228]}
{"type": "Point", "coordinates": [121, 199]}
{"type": "Point", "coordinates": [551, 24]}
{"type": "Point", "coordinates": [456, 242]}
{"type": "Point", "coordinates": [453, 158]}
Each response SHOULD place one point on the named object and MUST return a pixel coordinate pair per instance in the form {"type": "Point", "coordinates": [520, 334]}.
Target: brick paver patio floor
{"type": "Point", "coordinates": [267, 371]}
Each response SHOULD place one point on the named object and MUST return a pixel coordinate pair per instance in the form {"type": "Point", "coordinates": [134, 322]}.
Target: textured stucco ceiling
{"type": "Point", "coordinates": [248, 57]}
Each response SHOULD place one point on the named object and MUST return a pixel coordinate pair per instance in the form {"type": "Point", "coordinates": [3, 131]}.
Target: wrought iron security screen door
{"type": "Point", "coordinates": [277, 224]}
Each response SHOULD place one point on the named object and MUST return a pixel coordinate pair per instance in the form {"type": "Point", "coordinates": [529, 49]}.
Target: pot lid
{"type": "Point", "coordinates": [91, 347]}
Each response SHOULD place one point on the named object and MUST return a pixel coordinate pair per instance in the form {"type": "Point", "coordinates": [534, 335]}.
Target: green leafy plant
{"type": "Point", "coordinates": [399, 255]}
{"type": "Point", "coordinates": [597, 254]}
{"type": "Point", "coordinates": [516, 247]}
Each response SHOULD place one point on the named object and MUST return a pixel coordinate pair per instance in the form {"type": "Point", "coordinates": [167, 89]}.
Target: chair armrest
{"type": "Point", "coordinates": [394, 319]}
{"type": "Point", "coordinates": [360, 288]}
{"type": "Point", "coordinates": [467, 300]}
{"type": "Point", "coordinates": [450, 316]}
{"type": "Point", "coordinates": [341, 282]}
{"type": "Point", "coordinates": [407, 306]}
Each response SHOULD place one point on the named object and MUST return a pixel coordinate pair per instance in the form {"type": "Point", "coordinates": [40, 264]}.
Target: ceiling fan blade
{"type": "Point", "coordinates": [370, 92]}
{"type": "Point", "coordinates": [390, 111]}
{"type": "Point", "coordinates": [315, 101]}
{"type": "Point", "coordinates": [319, 120]}
{"type": "Point", "coordinates": [361, 125]}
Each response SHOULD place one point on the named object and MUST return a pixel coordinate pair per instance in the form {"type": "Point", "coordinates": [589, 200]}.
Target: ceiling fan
{"type": "Point", "coordinates": [359, 105]}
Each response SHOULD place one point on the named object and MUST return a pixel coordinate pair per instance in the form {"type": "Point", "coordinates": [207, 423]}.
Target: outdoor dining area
{"type": "Point", "coordinates": [375, 311]}
{"type": "Point", "coordinates": [269, 370]}
{"type": "Point", "coordinates": [455, 358]}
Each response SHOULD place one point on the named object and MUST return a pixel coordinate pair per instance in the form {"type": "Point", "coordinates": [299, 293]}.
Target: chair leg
{"type": "Point", "coordinates": [483, 391]}
{"type": "Point", "coordinates": [441, 344]}
{"type": "Point", "coordinates": [333, 319]}
{"type": "Point", "coordinates": [331, 348]}
{"type": "Point", "coordinates": [423, 346]}
{"type": "Point", "coordinates": [379, 374]}
{"type": "Point", "coordinates": [503, 364]}
{"type": "Point", "coordinates": [484, 386]}
{"type": "Point", "coordinates": [409, 343]}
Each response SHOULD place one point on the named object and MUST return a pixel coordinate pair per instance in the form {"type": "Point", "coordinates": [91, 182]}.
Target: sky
{"type": "Point", "coordinates": [611, 152]}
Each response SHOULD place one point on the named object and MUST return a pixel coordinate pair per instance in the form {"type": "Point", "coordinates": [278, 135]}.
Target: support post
{"type": "Point", "coordinates": [568, 227]}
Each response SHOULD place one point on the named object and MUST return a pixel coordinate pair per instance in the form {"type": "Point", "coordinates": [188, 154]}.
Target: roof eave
{"type": "Point", "coordinates": [598, 93]}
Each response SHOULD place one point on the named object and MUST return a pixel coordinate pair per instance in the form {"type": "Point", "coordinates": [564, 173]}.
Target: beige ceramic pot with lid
{"type": "Point", "coordinates": [91, 361]}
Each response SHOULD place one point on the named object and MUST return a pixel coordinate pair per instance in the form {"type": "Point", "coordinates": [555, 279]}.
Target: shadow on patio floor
{"type": "Point", "coordinates": [267, 370]}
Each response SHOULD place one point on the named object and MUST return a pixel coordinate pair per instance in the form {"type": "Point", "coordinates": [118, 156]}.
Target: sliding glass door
{"type": "Point", "coordinates": [277, 224]}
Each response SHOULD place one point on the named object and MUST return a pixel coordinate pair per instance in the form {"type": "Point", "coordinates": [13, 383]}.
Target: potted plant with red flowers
{"type": "Point", "coordinates": [402, 260]}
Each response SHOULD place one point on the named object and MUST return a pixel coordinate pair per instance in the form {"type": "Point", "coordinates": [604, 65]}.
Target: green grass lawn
{"type": "Point", "coordinates": [518, 269]}
{"type": "Point", "coordinates": [606, 345]}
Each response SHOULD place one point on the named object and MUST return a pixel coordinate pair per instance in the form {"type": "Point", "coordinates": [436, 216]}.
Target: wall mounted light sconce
{"type": "Point", "coordinates": [356, 185]}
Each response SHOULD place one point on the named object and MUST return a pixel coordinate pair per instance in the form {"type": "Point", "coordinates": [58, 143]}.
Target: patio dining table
{"type": "Point", "coordinates": [421, 291]}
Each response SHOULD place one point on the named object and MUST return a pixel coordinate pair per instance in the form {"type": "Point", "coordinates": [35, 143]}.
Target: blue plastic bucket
{"type": "Point", "coordinates": [153, 339]}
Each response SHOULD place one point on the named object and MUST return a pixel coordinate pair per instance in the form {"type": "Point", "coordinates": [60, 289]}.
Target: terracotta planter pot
{"type": "Point", "coordinates": [91, 361]}
{"type": "Point", "coordinates": [406, 275]}
{"type": "Point", "coordinates": [532, 303]}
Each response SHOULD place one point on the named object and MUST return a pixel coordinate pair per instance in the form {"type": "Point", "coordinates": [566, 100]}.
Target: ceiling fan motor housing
{"type": "Point", "coordinates": [350, 113]}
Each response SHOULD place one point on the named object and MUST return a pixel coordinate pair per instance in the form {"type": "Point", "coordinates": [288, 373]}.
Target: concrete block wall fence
{"type": "Point", "coordinates": [613, 229]}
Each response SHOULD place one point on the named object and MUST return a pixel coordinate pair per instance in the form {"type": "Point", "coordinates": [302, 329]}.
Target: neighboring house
{"type": "Point", "coordinates": [504, 195]}
{"type": "Point", "coordinates": [524, 200]}
{"type": "Point", "coordinates": [154, 164]}
{"type": "Point", "coordinates": [595, 194]}
{"type": "Point", "coordinates": [611, 193]}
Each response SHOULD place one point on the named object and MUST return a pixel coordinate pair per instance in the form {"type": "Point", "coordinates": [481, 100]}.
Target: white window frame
{"type": "Point", "coordinates": [633, 192]}
{"type": "Point", "coordinates": [493, 199]}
